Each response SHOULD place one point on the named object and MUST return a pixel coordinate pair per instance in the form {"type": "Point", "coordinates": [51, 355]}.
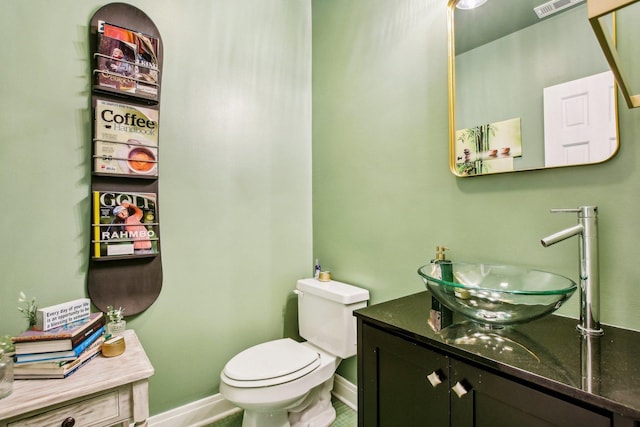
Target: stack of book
{"type": "Point", "coordinates": [58, 352]}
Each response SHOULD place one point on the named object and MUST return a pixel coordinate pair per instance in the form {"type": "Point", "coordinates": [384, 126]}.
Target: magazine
{"type": "Point", "coordinates": [126, 139]}
{"type": "Point", "coordinates": [115, 62]}
{"type": "Point", "coordinates": [124, 224]}
{"type": "Point", "coordinates": [140, 67]}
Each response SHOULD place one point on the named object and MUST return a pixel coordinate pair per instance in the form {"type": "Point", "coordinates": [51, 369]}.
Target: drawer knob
{"type": "Point", "coordinates": [459, 389]}
{"type": "Point", "coordinates": [434, 378]}
{"type": "Point", "coordinates": [69, 422]}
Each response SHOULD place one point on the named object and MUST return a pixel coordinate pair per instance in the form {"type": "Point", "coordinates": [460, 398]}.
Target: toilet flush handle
{"type": "Point", "coordinates": [299, 293]}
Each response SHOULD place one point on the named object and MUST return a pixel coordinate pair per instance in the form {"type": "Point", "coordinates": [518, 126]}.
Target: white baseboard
{"type": "Point", "coordinates": [214, 408]}
{"type": "Point", "coordinates": [195, 414]}
{"type": "Point", "coordinates": [346, 392]}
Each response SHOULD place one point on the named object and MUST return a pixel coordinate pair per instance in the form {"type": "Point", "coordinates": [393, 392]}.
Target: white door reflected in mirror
{"type": "Point", "coordinates": [579, 121]}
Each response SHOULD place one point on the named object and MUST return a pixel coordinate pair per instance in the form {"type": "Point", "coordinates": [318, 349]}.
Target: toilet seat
{"type": "Point", "coordinates": [271, 363]}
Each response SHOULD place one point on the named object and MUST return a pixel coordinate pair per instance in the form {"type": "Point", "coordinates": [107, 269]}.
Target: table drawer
{"type": "Point", "coordinates": [96, 410]}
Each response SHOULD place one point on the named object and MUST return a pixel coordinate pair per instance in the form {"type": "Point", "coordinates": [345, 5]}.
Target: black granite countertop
{"type": "Point", "coordinates": [601, 371]}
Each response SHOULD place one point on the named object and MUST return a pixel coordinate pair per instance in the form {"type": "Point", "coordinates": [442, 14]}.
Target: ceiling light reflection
{"type": "Point", "coordinates": [470, 4]}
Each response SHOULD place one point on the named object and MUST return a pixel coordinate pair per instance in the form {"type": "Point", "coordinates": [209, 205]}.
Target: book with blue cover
{"type": "Point", "coordinates": [62, 338]}
{"type": "Point", "coordinates": [55, 369]}
{"type": "Point", "coordinates": [60, 355]}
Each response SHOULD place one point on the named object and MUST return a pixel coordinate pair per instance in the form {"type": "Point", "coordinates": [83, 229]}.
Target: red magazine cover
{"type": "Point", "coordinates": [127, 60]}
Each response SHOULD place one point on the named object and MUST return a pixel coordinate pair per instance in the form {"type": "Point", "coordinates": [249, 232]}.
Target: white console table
{"type": "Point", "coordinates": [104, 392]}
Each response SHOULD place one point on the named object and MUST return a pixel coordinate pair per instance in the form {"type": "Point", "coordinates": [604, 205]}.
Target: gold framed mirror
{"type": "Point", "coordinates": [520, 77]}
{"type": "Point", "coordinates": [620, 54]}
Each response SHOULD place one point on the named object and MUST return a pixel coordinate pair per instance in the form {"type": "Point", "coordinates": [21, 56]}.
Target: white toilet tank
{"type": "Point", "coordinates": [325, 314]}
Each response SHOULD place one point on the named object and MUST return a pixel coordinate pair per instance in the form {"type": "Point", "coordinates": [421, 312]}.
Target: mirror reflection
{"type": "Point", "coordinates": [529, 88]}
{"type": "Point", "coordinates": [621, 52]}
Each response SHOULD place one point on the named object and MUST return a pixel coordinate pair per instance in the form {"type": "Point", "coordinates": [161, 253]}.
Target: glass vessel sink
{"type": "Point", "coordinates": [497, 295]}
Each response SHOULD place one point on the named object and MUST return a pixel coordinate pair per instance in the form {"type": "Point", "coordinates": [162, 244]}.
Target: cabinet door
{"type": "Point", "coordinates": [395, 379]}
{"type": "Point", "coordinates": [488, 400]}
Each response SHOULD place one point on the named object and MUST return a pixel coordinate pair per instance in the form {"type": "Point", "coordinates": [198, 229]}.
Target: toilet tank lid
{"type": "Point", "coordinates": [334, 291]}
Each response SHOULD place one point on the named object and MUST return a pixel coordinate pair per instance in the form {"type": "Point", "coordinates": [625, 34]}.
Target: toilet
{"type": "Point", "coordinates": [285, 383]}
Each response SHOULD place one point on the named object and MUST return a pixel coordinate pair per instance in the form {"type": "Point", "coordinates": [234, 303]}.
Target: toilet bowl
{"type": "Point", "coordinates": [284, 383]}
{"type": "Point", "coordinates": [271, 380]}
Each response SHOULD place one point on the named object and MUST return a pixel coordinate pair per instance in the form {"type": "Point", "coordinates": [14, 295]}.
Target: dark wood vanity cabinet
{"type": "Point", "coordinates": [406, 383]}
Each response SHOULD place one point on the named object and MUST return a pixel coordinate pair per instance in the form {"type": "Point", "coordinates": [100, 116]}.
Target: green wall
{"type": "Point", "coordinates": [235, 174]}
{"type": "Point", "coordinates": [383, 195]}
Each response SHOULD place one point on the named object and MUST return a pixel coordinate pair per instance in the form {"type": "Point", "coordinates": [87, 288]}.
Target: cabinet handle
{"type": "Point", "coordinates": [459, 389]}
{"type": "Point", "coordinates": [434, 378]}
{"type": "Point", "coordinates": [69, 422]}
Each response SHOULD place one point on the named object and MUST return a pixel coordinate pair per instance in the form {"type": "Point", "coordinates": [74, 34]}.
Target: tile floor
{"type": "Point", "coordinates": [345, 417]}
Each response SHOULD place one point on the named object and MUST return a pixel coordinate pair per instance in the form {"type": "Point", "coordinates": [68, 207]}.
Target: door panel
{"type": "Point", "coordinates": [397, 391]}
{"type": "Point", "coordinates": [494, 401]}
{"type": "Point", "coordinates": [579, 121]}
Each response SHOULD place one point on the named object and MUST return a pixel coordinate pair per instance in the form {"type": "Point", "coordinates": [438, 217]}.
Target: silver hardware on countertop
{"type": "Point", "coordinates": [587, 232]}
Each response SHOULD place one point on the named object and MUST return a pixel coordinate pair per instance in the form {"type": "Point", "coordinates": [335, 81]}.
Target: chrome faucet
{"type": "Point", "coordinates": [587, 232]}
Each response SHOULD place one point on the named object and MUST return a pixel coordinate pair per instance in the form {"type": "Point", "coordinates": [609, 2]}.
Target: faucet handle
{"type": "Point", "coordinates": [582, 211]}
{"type": "Point", "coordinates": [565, 210]}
